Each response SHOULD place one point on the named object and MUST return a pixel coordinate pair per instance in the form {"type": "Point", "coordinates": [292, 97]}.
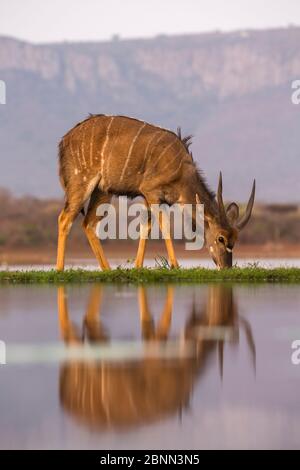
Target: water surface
{"type": "Point", "coordinates": [155, 367]}
{"type": "Point", "coordinates": [151, 263]}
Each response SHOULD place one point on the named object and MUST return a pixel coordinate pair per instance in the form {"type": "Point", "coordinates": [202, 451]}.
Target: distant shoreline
{"type": "Point", "coordinates": [123, 251]}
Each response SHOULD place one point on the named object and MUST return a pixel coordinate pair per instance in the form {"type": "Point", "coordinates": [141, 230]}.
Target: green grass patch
{"type": "Point", "coordinates": [146, 275]}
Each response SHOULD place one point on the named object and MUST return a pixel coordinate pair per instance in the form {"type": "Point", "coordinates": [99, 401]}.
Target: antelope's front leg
{"type": "Point", "coordinates": [165, 230]}
{"type": "Point", "coordinates": [145, 228]}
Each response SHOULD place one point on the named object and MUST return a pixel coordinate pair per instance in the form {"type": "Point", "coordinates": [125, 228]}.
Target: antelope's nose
{"type": "Point", "coordinates": [228, 259]}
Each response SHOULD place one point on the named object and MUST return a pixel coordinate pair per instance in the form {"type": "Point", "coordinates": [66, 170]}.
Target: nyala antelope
{"type": "Point", "coordinates": [117, 155]}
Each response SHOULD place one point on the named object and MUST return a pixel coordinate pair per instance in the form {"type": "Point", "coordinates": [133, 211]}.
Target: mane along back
{"type": "Point", "coordinates": [186, 140]}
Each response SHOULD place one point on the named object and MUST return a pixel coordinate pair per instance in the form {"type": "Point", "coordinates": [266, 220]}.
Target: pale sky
{"type": "Point", "coordinates": [57, 20]}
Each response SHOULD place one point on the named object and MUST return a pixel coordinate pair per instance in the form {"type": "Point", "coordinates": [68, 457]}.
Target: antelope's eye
{"type": "Point", "coordinates": [221, 239]}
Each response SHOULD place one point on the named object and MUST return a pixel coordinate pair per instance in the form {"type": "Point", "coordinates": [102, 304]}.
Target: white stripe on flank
{"type": "Point", "coordinates": [174, 159]}
{"type": "Point", "coordinates": [148, 145]}
{"type": "Point", "coordinates": [92, 142]}
{"type": "Point", "coordinates": [82, 154]}
{"type": "Point", "coordinates": [130, 150]}
{"type": "Point", "coordinates": [105, 144]}
{"type": "Point", "coordinates": [174, 172]}
{"type": "Point", "coordinates": [146, 151]}
{"type": "Point", "coordinates": [165, 149]}
{"type": "Point", "coordinates": [75, 155]}
{"type": "Point", "coordinates": [78, 158]}
{"type": "Point", "coordinates": [158, 140]}
{"type": "Point", "coordinates": [106, 167]}
{"type": "Point", "coordinates": [82, 145]}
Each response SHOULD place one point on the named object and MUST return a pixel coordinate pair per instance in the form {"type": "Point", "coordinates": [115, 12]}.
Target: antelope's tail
{"type": "Point", "coordinates": [61, 164]}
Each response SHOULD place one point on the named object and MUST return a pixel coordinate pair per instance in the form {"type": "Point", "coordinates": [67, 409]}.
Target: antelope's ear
{"type": "Point", "coordinates": [232, 213]}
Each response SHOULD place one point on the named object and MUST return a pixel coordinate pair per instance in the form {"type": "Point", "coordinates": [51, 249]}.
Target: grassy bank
{"type": "Point", "coordinates": [196, 275]}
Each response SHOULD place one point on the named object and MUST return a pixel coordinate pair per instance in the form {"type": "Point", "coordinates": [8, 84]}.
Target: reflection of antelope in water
{"type": "Point", "coordinates": [120, 394]}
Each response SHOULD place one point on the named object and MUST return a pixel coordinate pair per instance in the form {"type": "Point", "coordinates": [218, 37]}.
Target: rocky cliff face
{"type": "Point", "coordinates": [232, 91]}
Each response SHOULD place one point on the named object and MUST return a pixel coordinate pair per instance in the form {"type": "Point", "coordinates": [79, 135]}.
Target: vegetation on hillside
{"type": "Point", "coordinates": [29, 222]}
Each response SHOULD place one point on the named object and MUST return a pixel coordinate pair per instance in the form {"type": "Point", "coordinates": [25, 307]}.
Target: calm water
{"type": "Point", "coordinates": [184, 367]}
{"type": "Point", "coordinates": [185, 263]}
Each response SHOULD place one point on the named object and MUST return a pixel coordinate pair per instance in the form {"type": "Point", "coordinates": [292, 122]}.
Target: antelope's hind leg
{"type": "Point", "coordinates": [65, 221]}
{"type": "Point", "coordinates": [90, 222]}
